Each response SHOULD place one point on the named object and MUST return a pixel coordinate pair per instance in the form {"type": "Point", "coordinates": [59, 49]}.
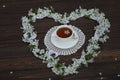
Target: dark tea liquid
{"type": "Point", "coordinates": [64, 32]}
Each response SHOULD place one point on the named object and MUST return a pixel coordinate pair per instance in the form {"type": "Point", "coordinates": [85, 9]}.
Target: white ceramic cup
{"type": "Point", "coordinates": [61, 39]}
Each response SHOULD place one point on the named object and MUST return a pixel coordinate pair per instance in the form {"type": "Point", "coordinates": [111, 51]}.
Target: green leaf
{"type": "Point", "coordinates": [40, 54]}
{"type": "Point", "coordinates": [31, 23]}
{"type": "Point", "coordinates": [88, 57]}
{"type": "Point", "coordinates": [35, 32]}
{"type": "Point", "coordinates": [87, 16]}
{"type": "Point", "coordinates": [58, 65]}
{"type": "Point", "coordinates": [52, 9]}
{"type": "Point", "coordinates": [99, 42]}
{"type": "Point", "coordinates": [29, 35]}
{"type": "Point", "coordinates": [30, 17]}
{"type": "Point", "coordinates": [67, 14]}
{"type": "Point", "coordinates": [96, 50]}
{"type": "Point", "coordinates": [31, 47]}
{"type": "Point", "coordinates": [35, 11]}
{"type": "Point", "coordinates": [62, 74]}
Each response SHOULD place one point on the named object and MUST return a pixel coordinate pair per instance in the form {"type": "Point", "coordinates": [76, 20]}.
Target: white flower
{"type": "Point", "coordinates": [73, 16]}
{"type": "Point", "coordinates": [35, 51]}
{"type": "Point", "coordinates": [25, 35]}
{"type": "Point", "coordinates": [25, 20]}
{"type": "Point", "coordinates": [82, 59]}
{"type": "Point", "coordinates": [83, 12]}
{"type": "Point", "coordinates": [104, 39]}
{"type": "Point", "coordinates": [33, 35]}
{"type": "Point", "coordinates": [45, 12]}
{"type": "Point", "coordinates": [29, 36]}
{"type": "Point", "coordinates": [64, 21]}
{"type": "Point", "coordinates": [70, 70]}
{"type": "Point", "coordinates": [26, 25]}
{"type": "Point", "coordinates": [49, 79]}
{"type": "Point", "coordinates": [76, 62]}
{"type": "Point", "coordinates": [30, 13]}
{"type": "Point", "coordinates": [89, 12]}
{"type": "Point", "coordinates": [53, 52]}
{"type": "Point", "coordinates": [57, 71]}
{"type": "Point", "coordinates": [96, 54]}
{"type": "Point", "coordinates": [91, 60]}
{"type": "Point", "coordinates": [96, 37]}
{"type": "Point", "coordinates": [52, 62]}
{"type": "Point", "coordinates": [40, 16]}
{"type": "Point", "coordinates": [34, 42]}
{"type": "Point", "coordinates": [42, 51]}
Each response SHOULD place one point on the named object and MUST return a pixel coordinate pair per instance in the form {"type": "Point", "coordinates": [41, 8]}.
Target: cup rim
{"type": "Point", "coordinates": [61, 26]}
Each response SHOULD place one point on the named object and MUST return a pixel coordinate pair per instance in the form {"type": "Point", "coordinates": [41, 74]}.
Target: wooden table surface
{"type": "Point", "coordinates": [16, 62]}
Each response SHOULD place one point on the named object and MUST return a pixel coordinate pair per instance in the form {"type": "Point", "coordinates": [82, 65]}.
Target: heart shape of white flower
{"type": "Point", "coordinates": [87, 56]}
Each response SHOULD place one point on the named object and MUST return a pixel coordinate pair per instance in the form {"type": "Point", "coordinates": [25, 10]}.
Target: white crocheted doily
{"type": "Point", "coordinates": [68, 51]}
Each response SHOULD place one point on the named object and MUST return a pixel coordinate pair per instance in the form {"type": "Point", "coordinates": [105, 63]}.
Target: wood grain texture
{"type": "Point", "coordinates": [15, 57]}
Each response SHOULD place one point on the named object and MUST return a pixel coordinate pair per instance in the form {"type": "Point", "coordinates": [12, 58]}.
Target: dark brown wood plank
{"type": "Point", "coordinates": [15, 57]}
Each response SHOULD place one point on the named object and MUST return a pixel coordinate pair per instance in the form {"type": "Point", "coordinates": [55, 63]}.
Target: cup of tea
{"type": "Point", "coordinates": [64, 33]}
